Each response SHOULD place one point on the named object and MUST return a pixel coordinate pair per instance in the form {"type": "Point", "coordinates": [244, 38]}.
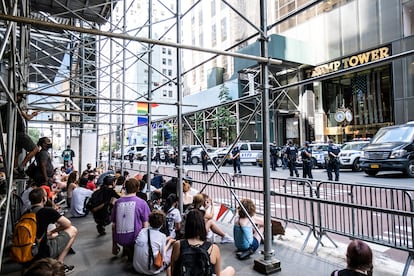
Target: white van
{"type": "Point", "coordinates": [249, 151]}
{"type": "Point", "coordinates": [127, 149]}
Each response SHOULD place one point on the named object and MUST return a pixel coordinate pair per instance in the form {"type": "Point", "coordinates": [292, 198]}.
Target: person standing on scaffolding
{"type": "Point", "coordinates": [23, 141]}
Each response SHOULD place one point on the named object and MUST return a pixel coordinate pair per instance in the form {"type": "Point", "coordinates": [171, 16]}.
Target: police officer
{"type": "Point", "coordinates": [333, 161]}
{"type": "Point", "coordinates": [291, 155]}
{"type": "Point", "coordinates": [204, 161]}
{"type": "Point", "coordinates": [273, 156]}
{"type": "Point", "coordinates": [236, 159]}
{"type": "Point", "coordinates": [307, 162]}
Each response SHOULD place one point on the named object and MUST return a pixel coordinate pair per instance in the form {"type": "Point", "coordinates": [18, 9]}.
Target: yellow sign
{"type": "Point", "coordinates": [347, 62]}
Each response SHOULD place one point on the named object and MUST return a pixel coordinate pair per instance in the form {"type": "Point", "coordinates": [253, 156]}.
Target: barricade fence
{"type": "Point", "coordinates": [373, 213]}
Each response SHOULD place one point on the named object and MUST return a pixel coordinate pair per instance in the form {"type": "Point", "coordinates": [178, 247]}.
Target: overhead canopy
{"type": "Point", "coordinates": [96, 11]}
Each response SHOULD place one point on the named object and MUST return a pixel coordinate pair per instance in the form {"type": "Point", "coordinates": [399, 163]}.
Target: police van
{"type": "Point", "coordinates": [249, 151]}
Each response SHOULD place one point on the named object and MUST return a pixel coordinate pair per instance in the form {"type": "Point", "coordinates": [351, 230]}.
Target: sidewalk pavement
{"type": "Point", "coordinates": [93, 255]}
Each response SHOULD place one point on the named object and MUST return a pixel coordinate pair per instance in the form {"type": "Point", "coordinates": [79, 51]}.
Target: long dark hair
{"type": "Point", "coordinates": [171, 199]}
{"type": "Point", "coordinates": [195, 226]}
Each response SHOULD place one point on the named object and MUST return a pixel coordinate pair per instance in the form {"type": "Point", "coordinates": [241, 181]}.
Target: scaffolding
{"type": "Point", "coordinates": [37, 36]}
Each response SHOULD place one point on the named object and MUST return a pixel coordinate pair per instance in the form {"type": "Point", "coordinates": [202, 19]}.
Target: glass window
{"type": "Point", "coordinates": [223, 29]}
{"type": "Point", "coordinates": [213, 8]}
{"type": "Point", "coordinates": [213, 35]}
{"type": "Point", "coordinates": [394, 134]}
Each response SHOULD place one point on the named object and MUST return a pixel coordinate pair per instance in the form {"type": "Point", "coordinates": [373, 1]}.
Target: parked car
{"type": "Point", "coordinates": [125, 153]}
{"type": "Point", "coordinates": [214, 155]}
{"type": "Point", "coordinates": [223, 154]}
{"type": "Point", "coordinates": [259, 157]}
{"type": "Point", "coordinates": [351, 153]}
{"type": "Point", "coordinates": [248, 153]}
{"type": "Point", "coordinates": [319, 155]}
{"type": "Point", "coordinates": [142, 153]}
{"type": "Point", "coordinates": [195, 153]}
{"type": "Point", "coordinates": [391, 149]}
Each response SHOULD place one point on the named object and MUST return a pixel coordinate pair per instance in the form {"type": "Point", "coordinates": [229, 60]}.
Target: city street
{"type": "Point", "coordinates": [392, 179]}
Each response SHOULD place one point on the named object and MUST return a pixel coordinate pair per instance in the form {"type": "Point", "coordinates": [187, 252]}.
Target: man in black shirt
{"type": "Point", "coordinates": [55, 242]}
{"type": "Point", "coordinates": [333, 160]}
{"type": "Point", "coordinates": [291, 154]}
{"type": "Point", "coordinates": [105, 196]}
{"type": "Point", "coordinates": [44, 173]}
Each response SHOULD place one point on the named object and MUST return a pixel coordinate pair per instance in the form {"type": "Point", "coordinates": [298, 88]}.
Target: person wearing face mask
{"type": "Point", "coordinates": [44, 172]}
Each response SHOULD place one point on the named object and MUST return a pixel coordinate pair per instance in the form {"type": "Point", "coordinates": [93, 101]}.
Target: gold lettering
{"type": "Point", "coordinates": [363, 58]}
{"type": "Point", "coordinates": [336, 65]}
{"type": "Point", "coordinates": [353, 61]}
{"type": "Point", "coordinates": [345, 62]}
{"type": "Point", "coordinates": [384, 52]}
{"type": "Point", "coordinates": [375, 54]}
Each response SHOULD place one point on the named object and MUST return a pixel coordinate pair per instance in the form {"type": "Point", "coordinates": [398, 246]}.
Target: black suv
{"type": "Point", "coordinates": [391, 149]}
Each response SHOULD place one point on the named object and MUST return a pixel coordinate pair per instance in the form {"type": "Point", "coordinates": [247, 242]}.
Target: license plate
{"type": "Point", "coordinates": [374, 166]}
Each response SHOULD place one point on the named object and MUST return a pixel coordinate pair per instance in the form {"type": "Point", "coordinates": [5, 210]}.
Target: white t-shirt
{"type": "Point", "coordinates": [158, 242]}
{"type": "Point", "coordinates": [173, 216]}
{"type": "Point", "coordinates": [78, 200]}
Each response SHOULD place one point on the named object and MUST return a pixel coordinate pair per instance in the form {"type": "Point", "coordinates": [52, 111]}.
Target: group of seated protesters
{"type": "Point", "coordinates": [140, 228]}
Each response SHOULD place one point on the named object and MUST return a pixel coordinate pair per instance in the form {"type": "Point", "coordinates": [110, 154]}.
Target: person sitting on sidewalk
{"type": "Point", "coordinates": [195, 235]}
{"type": "Point", "coordinates": [158, 242]}
{"type": "Point", "coordinates": [102, 202]}
{"type": "Point", "coordinates": [57, 242]}
{"type": "Point", "coordinates": [358, 259]}
{"type": "Point", "coordinates": [173, 216]}
{"type": "Point", "coordinates": [211, 225]}
{"type": "Point", "coordinates": [79, 196]}
{"type": "Point", "coordinates": [246, 238]}
{"type": "Point", "coordinates": [129, 216]}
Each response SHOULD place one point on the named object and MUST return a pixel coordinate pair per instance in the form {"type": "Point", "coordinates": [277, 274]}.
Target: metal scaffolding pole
{"type": "Point", "coordinates": [267, 265]}
{"type": "Point", "coordinates": [179, 109]}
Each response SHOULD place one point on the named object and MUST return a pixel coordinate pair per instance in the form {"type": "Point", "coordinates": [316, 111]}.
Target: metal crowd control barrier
{"type": "Point", "coordinates": [373, 213]}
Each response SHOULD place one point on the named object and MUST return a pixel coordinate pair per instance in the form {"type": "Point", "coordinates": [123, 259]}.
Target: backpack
{"type": "Point", "coordinates": [194, 260]}
{"type": "Point", "coordinates": [25, 245]}
{"type": "Point", "coordinates": [165, 228]}
{"type": "Point", "coordinates": [96, 202]}
{"type": "Point", "coordinates": [31, 170]}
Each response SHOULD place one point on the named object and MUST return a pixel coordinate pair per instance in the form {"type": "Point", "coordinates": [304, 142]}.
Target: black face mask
{"type": "Point", "coordinates": [49, 146]}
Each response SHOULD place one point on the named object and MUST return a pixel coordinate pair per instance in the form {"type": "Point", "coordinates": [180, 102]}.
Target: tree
{"type": "Point", "coordinates": [34, 134]}
{"type": "Point", "coordinates": [223, 119]}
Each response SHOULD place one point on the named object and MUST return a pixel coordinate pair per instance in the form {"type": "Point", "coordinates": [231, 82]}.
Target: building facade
{"type": "Point", "coordinates": [356, 54]}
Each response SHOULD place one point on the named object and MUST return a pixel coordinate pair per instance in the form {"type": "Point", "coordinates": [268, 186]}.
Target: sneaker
{"type": "Point", "coordinates": [68, 269]}
{"type": "Point", "coordinates": [243, 255]}
{"type": "Point", "coordinates": [227, 239]}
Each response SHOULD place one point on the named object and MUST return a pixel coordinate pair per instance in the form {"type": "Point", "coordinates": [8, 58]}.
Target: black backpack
{"type": "Point", "coordinates": [165, 228]}
{"type": "Point", "coordinates": [96, 202]}
{"type": "Point", "coordinates": [194, 260]}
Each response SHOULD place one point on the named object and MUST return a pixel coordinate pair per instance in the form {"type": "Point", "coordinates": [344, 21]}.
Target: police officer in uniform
{"type": "Point", "coordinates": [273, 156]}
{"type": "Point", "coordinates": [236, 160]}
{"type": "Point", "coordinates": [291, 155]}
{"type": "Point", "coordinates": [307, 162]}
{"type": "Point", "coordinates": [333, 161]}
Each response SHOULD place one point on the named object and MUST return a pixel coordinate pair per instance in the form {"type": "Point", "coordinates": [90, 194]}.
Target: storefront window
{"type": "Point", "coordinates": [367, 95]}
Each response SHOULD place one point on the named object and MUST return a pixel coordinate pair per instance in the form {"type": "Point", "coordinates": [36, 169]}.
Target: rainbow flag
{"type": "Point", "coordinates": [142, 109]}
